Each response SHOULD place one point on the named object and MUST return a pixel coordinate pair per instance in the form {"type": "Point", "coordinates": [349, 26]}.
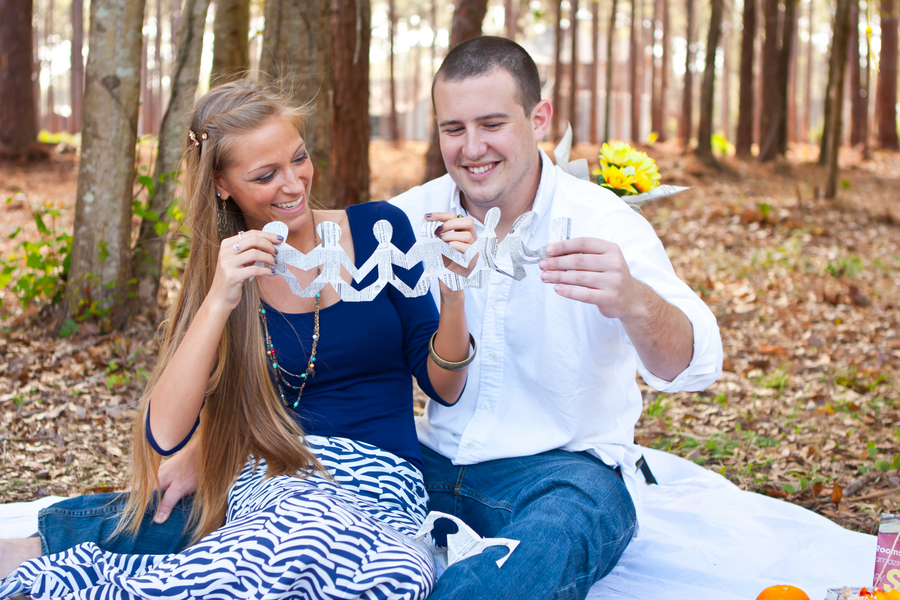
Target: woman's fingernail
{"type": "Point", "coordinates": [272, 267]}
{"type": "Point", "coordinates": [160, 517]}
{"type": "Point", "coordinates": [276, 251]}
{"type": "Point", "coordinates": [427, 215]}
{"type": "Point", "coordinates": [280, 238]}
{"type": "Point", "coordinates": [439, 230]}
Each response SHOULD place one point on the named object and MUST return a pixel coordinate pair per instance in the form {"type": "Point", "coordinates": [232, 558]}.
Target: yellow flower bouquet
{"type": "Point", "coordinates": [626, 171]}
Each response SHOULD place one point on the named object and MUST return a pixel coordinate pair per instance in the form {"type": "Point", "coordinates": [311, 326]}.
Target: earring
{"type": "Point", "coordinates": [218, 195]}
{"type": "Point", "coordinates": [222, 221]}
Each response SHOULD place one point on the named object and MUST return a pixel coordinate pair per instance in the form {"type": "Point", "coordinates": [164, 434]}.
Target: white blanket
{"type": "Point", "coordinates": [702, 538]}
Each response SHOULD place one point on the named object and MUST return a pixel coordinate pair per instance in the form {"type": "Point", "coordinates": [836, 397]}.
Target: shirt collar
{"type": "Point", "coordinates": [542, 199]}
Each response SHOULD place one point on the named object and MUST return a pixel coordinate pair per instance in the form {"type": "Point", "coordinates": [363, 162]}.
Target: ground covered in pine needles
{"type": "Point", "coordinates": [806, 292]}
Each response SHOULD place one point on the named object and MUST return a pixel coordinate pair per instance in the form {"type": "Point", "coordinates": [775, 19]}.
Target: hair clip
{"type": "Point", "coordinates": [193, 136]}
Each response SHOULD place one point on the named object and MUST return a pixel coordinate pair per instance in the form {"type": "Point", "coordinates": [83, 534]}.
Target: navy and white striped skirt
{"type": "Point", "coordinates": [284, 538]}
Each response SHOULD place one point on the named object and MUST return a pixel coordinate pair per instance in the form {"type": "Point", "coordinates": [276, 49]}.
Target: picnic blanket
{"type": "Point", "coordinates": [701, 538]}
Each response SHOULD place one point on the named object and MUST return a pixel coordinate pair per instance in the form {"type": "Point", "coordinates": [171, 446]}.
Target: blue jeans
{"type": "Point", "coordinates": [572, 514]}
{"type": "Point", "coordinates": [94, 518]}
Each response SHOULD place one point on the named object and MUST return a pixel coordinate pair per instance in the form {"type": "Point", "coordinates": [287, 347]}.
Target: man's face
{"type": "Point", "coordinates": [488, 143]}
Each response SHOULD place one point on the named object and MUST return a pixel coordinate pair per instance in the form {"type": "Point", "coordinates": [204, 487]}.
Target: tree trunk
{"type": "Point", "coordinates": [467, 19]}
{"type": "Point", "coordinates": [664, 75]}
{"type": "Point", "coordinates": [52, 125]}
{"type": "Point", "coordinates": [772, 101]}
{"type": "Point", "coordinates": [687, 98]}
{"type": "Point", "coordinates": [158, 69]}
{"type": "Point", "coordinates": [298, 45]}
{"type": "Point", "coordinates": [573, 71]}
{"type": "Point", "coordinates": [101, 245]}
{"type": "Point", "coordinates": [726, 71]}
{"type": "Point", "coordinates": [839, 49]}
{"type": "Point", "coordinates": [77, 66]}
{"type": "Point", "coordinates": [807, 96]}
{"type": "Point", "coordinates": [827, 118]}
{"type": "Point", "coordinates": [145, 109]}
{"type": "Point", "coordinates": [555, 127]}
{"type": "Point", "coordinates": [432, 14]}
{"type": "Point", "coordinates": [707, 87]}
{"type": "Point", "coordinates": [637, 73]}
{"type": "Point", "coordinates": [655, 116]}
{"type": "Point", "coordinates": [610, 34]}
{"type": "Point", "coordinates": [394, 126]}
{"type": "Point", "coordinates": [593, 134]}
{"type": "Point", "coordinates": [231, 44]}
{"type": "Point", "coordinates": [886, 90]}
{"type": "Point", "coordinates": [147, 257]}
{"type": "Point", "coordinates": [784, 70]}
{"type": "Point", "coordinates": [792, 120]}
{"type": "Point", "coordinates": [18, 118]}
{"type": "Point", "coordinates": [858, 103]}
{"type": "Point", "coordinates": [511, 17]}
{"type": "Point", "coordinates": [350, 148]}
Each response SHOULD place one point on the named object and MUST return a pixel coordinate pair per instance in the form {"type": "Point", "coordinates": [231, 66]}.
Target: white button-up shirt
{"type": "Point", "coordinates": [553, 372]}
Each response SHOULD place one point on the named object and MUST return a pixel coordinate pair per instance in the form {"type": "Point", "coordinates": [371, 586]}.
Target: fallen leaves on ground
{"type": "Point", "coordinates": [805, 291]}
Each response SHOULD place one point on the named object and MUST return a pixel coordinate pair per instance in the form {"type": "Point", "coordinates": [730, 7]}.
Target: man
{"type": "Point", "coordinates": [540, 448]}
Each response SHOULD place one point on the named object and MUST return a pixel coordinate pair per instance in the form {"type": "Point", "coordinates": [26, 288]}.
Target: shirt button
{"type": "Point", "coordinates": [491, 355]}
{"type": "Point", "coordinates": [470, 446]}
{"type": "Point", "coordinates": [494, 304]}
{"type": "Point", "coordinates": [486, 405]}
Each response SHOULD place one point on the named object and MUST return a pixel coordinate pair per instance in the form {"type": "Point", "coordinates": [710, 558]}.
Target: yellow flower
{"type": "Point", "coordinates": [615, 179]}
{"type": "Point", "coordinates": [615, 153]}
{"type": "Point", "coordinates": [631, 164]}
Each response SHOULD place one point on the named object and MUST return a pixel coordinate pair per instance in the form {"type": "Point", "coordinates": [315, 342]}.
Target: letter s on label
{"type": "Point", "coordinates": [893, 577]}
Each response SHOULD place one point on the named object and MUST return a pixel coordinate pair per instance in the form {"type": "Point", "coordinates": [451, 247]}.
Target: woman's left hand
{"type": "Point", "coordinates": [459, 232]}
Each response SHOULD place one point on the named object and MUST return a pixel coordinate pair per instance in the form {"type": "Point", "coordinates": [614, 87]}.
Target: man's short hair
{"type": "Point", "coordinates": [482, 55]}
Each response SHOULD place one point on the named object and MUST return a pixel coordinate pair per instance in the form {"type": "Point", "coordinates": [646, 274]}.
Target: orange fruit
{"type": "Point", "coordinates": [782, 592]}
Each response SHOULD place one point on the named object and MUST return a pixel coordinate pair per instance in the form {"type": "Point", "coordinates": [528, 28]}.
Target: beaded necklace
{"type": "Point", "coordinates": [270, 348]}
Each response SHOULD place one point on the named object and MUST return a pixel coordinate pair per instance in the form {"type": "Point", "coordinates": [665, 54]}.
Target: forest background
{"type": "Point", "coordinates": [790, 231]}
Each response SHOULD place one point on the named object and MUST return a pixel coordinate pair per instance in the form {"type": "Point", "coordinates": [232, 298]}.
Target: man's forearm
{"type": "Point", "coordinates": [662, 335]}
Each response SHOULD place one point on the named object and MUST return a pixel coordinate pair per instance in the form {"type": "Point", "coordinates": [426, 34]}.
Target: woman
{"type": "Point", "coordinates": [245, 362]}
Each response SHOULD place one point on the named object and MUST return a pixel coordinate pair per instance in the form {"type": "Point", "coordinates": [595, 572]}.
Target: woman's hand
{"type": "Point", "coordinates": [459, 232]}
{"type": "Point", "coordinates": [177, 479]}
{"type": "Point", "coordinates": [241, 257]}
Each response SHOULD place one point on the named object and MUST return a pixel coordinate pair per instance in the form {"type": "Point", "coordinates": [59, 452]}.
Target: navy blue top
{"type": "Point", "coordinates": [362, 388]}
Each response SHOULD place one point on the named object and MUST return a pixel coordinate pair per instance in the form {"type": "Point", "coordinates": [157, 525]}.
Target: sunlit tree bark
{"type": "Point", "coordinates": [101, 246]}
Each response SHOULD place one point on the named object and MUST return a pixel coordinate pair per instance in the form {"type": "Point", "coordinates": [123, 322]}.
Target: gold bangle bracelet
{"type": "Point", "coordinates": [446, 364]}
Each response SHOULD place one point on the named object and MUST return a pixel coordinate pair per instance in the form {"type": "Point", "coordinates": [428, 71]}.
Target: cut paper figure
{"type": "Point", "coordinates": [332, 257]}
{"type": "Point", "coordinates": [385, 256]}
{"type": "Point", "coordinates": [429, 250]}
{"type": "Point", "coordinates": [462, 544]}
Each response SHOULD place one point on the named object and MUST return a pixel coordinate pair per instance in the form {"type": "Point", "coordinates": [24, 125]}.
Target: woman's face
{"type": "Point", "coordinates": [269, 176]}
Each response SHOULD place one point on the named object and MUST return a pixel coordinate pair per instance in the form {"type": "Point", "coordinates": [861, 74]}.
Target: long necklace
{"type": "Point", "coordinates": [270, 348]}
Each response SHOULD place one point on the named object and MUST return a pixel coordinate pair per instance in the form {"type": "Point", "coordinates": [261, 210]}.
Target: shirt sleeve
{"type": "Point", "coordinates": [419, 316]}
{"type": "Point", "coordinates": [152, 441]}
{"type": "Point", "coordinates": [648, 262]}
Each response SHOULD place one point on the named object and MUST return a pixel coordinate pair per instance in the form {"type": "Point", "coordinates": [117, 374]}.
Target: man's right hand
{"type": "Point", "coordinates": [177, 479]}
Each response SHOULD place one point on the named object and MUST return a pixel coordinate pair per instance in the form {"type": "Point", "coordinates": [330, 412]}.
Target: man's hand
{"type": "Point", "coordinates": [594, 271]}
{"type": "Point", "coordinates": [177, 479]}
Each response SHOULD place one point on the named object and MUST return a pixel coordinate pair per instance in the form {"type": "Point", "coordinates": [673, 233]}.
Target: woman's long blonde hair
{"type": "Point", "coordinates": [242, 415]}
